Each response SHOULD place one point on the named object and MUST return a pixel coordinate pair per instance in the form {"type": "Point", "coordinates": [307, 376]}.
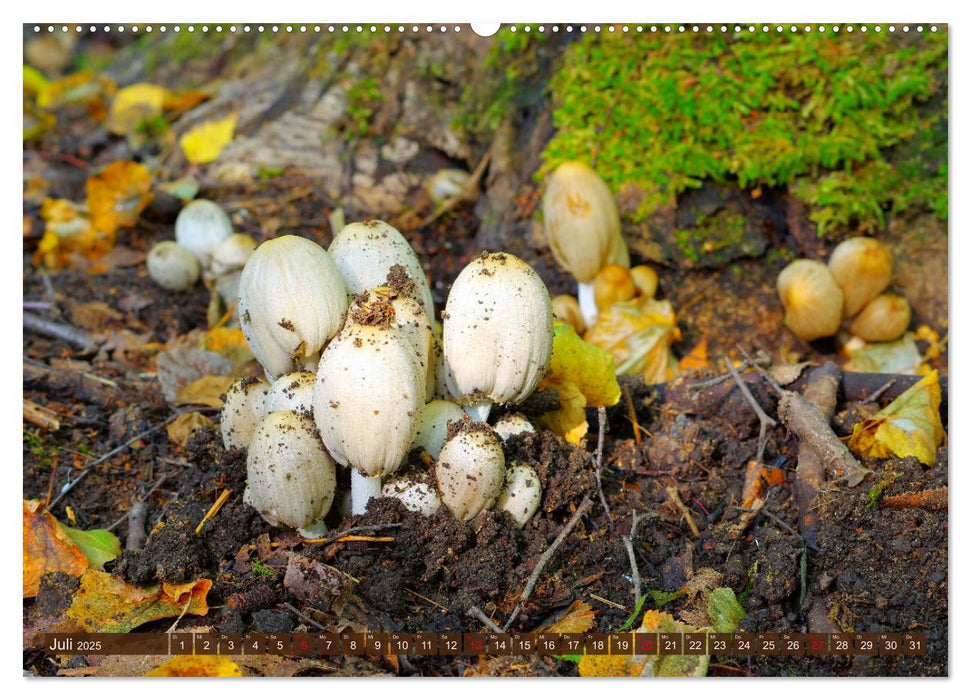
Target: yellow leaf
{"type": "Point", "coordinates": [34, 81]}
{"type": "Point", "coordinates": [204, 391]}
{"type": "Point", "coordinates": [47, 548]}
{"type": "Point", "coordinates": [134, 105]}
{"type": "Point", "coordinates": [197, 667]}
{"type": "Point", "coordinates": [638, 334]}
{"type": "Point", "coordinates": [228, 342]}
{"type": "Point", "coordinates": [106, 603]}
{"type": "Point", "coordinates": [569, 421]}
{"type": "Point", "coordinates": [697, 358]}
{"type": "Point", "coordinates": [78, 87]}
{"type": "Point", "coordinates": [183, 101]}
{"type": "Point", "coordinates": [203, 143]}
{"type": "Point", "coordinates": [585, 365]}
{"type": "Point", "coordinates": [578, 618]}
{"type": "Point", "coordinates": [182, 428]}
{"type": "Point", "coordinates": [899, 356]}
{"type": "Point", "coordinates": [908, 427]}
{"type": "Point", "coordinates": [118, 195]}
{"type": "Point", "coordinates": [67, 232]}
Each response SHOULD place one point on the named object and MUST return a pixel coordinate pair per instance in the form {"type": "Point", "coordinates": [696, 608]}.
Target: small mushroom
{"type": "Point", "coordinates": [172, 267]}
{"type": "Point", "coordinates": [612, 284]}
{"type": "Point", "coordinates": [521, 494]}
{"type": "Point", "coordinates": [290, 478]}
{"type": "Point", "coordinates": [292, 300]}
{"type": "Point", "coordinates": [201, 226]}
{"type": "Point", "coordinates": [416, 496]}
{"type": "Point", "coordinates": [862, 267]}
{"type": "Point", "coordinates": [583, 228]}
{"type": "Point", "coordinates": [883, 319]}
{"type": "Point", "coordinates": [451, 182]}
{"type": "Point", "coordinates": [242, 411]}
{"type": "Point", "coordinates": [366, 251]}
{"type": "Point", "coordinates": [812, 299]}
{"type": "Point", "coordinates": [512, 424]}
{"type": "Point", "coordinates": [566, 309]}
{"type": "Point", "coordinates": [291, 392]}
{"type": "Point", "coordinates": [231, 254]}
{"type": "Point", "coordinates": [497, 333]}
{"type": "Point", "coordinates": [470, 471]}
{"type": "Point", "coordinates": [645, 280]}
{"type": "Point", "coordinates": [434, 426]}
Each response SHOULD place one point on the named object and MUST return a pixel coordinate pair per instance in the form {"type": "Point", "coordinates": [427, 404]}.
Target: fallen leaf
{"type": "Point", "coordinates": [67, 229]}
{"type": "Point", "coordinates": [81, 87]}
{"type": "Point", "coordinates": [203, 143]}
{"type": "Point", "coordinates": [34, 81]}
{"type": "Point", "coordinates": [118, 195]}
{"type": "Point", "coordinates": [896, 357]}
{"type": "Point", "coordinates": [94, 315]}
{"type": "Point", "coordinates": [98, 546]}
{"type": "Point", "coordinates": [569, 421]}
{"type": "Point", "coordinates": [185, 188]}
{"type": "Point", "coordinates": [578, 618]}
{"type": "Point", "coordinates": [106, 603]}
{"type": "Point", "coordinates": [228, 342]}
{"type": "Point", "coordinates": [197, 667]}
{"type": "Point", "coordinates": [758, 479]}
{"type": "Point", "coordinates": [697, 358]}
{"type": "Point", "coordinates": [47, 548]}
{"type": "Point", "coordinates": [909, 427]}
{"type": "Point", "coordinates": [638, 334]}
{"type": "Point", "coordinates": [204, 391]}
{"type": "Point", "coordinates": [183, 101]}
{"type": "Point", "coordinates": [186, 362]}
{"type": "Point", "coordinates": [670, 666]}
{"type": "Point", "coordinates": [787, 374]}
{"type": "Point", "coordinates": [134, 105]}
{"type": "Point", "coordinates": [182, 428]}
{"type": "Point", "coordinates": [584, 364]}
{"type": "Point", "coordinates": [724, 610]}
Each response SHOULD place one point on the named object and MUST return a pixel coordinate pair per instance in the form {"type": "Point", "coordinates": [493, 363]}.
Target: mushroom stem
{"type": "Point", "coordinates": [363, 489]}
{"type": "Point", "coordinates": [588, 304]}
{"type": "Point", "coordinates": [314, 530]}
{"type": "Point", "coordinates": [479, 412]}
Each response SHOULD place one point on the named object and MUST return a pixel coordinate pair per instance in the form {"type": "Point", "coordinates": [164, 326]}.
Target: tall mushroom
{"type": "Point", "coordinates": [292, 300]}
{"type": "Point", "coordinates": [497, 333]}
{"type": "Point", "coordinates": [583, 228]}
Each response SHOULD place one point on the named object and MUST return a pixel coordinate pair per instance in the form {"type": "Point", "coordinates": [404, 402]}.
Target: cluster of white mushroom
{"type": "Point", "coordinates": [204, 245]}
{"type": "Point", "coordinates": [360, 373]}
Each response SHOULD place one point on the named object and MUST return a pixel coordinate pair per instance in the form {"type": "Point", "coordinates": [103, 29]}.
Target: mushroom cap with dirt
{"type": "Point", "coordinates": [292, 301]}
{"type": "Point", "coordinates": [434, 426]}
{"type": "Point", "coordinates": [366, 251]}
{"type": "Point", "coordinates": [231, 254]}
{"type": "Point", "coordinates": [812, 299]}
{"type": "Point", "coordinates": [291, 392]}
{"type": "Point", "coordinates": [290, 477]}
{"type": "Point", "coordinates": [470, 470]}
{"type": "Point", "coordinates": [242, 411]}
{"type": "Point", "coordinates": [862, 267]}
{"type": "Point", "coordinates": [415, 495]}
{"type": "Point", "coordinates": [521, 494]}
{"type": "Point", "coordinates": [172, 266]}
{"type": "Point", "coordinates": [497, 333]}
{"type": "Point", "coordinates": [201, 226]}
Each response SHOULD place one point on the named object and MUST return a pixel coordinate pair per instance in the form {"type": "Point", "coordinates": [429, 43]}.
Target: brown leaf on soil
{"type": "Point", "coordinates": [182, 428]}
{"type": "Point", "coordinates": [578, 618]}
{"type": "Point", "coordinates": [106, 603]}
{"type": "Point", "coordinates": [204, 391]}
{"type": "Point", "coordinates": [758, 479]}
{"type": "Point", "coordinates": [94, 316]}
{"type": "Point", "coordinates": [185, 362]}
{"type": "Point", "coordinates": [47, 548]}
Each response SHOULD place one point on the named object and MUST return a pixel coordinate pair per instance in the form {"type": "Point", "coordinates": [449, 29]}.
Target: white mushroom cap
{"type": "Point", "coordinates": [366, 251]}
{"type": "Point", "coordinates": [498, 331]}
{"type": "Point", "coordinates": [862, 268]}
{"type": "Point", "coordinates": [232, 253]}
{"type": "Point", "coordinates": [403, 311]}
{"type": "Point", "coordinates": [812, 299]}
{"type": "Point", "coordinates": [291, 392]}
{"type": "Point", "coordinates": [470, 471]}
{"type": "Point", "coordinates": [201, 226]}
{"type": "Point", "coordinates": [242, 411]}
{"type": "Point", "coordinates": [513, 424]}
{"type": "Point", "coordinates": [172, 267]}
{"type": "Point", "coordinates": [885, 318]}
{"type": "Point", "coordinates": [521, 494]}
{"type": "Point", "coordinates": [292, 300]}
{"type": "Point", "coordinates": [582, 222]}
{"type": "Point", "coordinates": [290, 478]}
{"type": "Point", "coordinates": [434, 426]}
{"type": "Point", "coordinates": [416, 496]}
{"type": "Point", "coordinates": [369, 398]}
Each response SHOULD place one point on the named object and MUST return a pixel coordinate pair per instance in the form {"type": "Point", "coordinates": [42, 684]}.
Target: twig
{"type": "Point", "coordinates": [364, 538]}
{"type": "Point", "coordinates": [483, 618]}
{"type": "Point", "coordinates": [629, 544]}
{"type": "Point", "coordinates": [136, 526]}
{"type": "Point", "coordinates": [928, 499]}
{"type": "Point", "coordinates": [60, 331]}
{"type": "Point", "coordinates": [308, 620]}
{"type": "Point", "coordinates": [601, 420]}
{"type": "Point", "coordinates": [584, 506]}
{"type": "Point", "coordinates": [879, 392]}
{"type": "Point", "coordinates": [343, 533]}
{"type": "Point", "coordinates": [66, 489]}
{"type": "Point", "coordinates": [714, 381]}
{"type": "Point", "coordinates": [143, 499]}
{"type": "Point", "coordinates": [675, 498]}
{"type": "Point", "coordinates": [223, 497]}
{"type": "Point", "coordinates": [632, 414]}
{"type": "Point", "coordinates": [607, 602]}
{"type": "Point", "coordinates": [427, 600]}
{"type": "Point", "coordinates": [765, 422]}
{"type": "Point", "coordinates": [788, 528]}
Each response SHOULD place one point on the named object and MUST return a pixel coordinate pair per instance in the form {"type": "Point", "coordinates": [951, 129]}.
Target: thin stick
{"type": "Point", "coordinates": [343, 533]}
{"type": "Point", "coordinates": [364, 538]}
{"type": "Point", "coordinates": [714, 381]}
{"type": "Point", "coordinates": [675, 497]}
{"type": "Point", "coordinates": [308, 620]}
{"type": "Point", "coordinates": [66, 489]}
{"type": "Point", "coordinates": [584, 506]}
{"type": "Point", "coordinates": [223, 497]}
{"type": "Point", "coordinates": [144, 498]}
{"type": "Point", "coordinates": [607, 602]}
{"type": "Point", "coordinates": [632, 414]}
{"type": "Point", "coordinates": [629, 545]}
{"type": "Point", "coordinates": [601, 420]}
{"type": "Point", "coordinates": [879, 392]}
{"type": "Point", "coordinates": [483, 618]}
{"type": "Point", "coordinates": [427, 600]}
{"type": "Point", "coordinates": [450, 203]}
{"type": "Point", "coordinates": [765, 421]}
{"type": "Point", "coordinates": [60, 331]}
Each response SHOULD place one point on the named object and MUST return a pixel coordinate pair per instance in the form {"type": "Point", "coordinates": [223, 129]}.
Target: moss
{"type": "Point", "coordinates": [716, 238]}
{"type": "Point", "coordinates": [363, 100]}
{"type": "Point", "coordinates": [854, 124]}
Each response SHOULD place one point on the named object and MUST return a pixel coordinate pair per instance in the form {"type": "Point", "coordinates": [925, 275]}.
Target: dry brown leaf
{"type": "Point", "coordinates": [758, 479]}
{"type": "Point", "coordinates": [106, 603]}
{"type": "Point", "coordinates": [184, 362]}
{"type": "Point", "coordinates": [204, 391]}
{"type": "Point", "coordinates": [182, 428]}
{"type": "Point", "coordinates": [47, 548]}
{"type": "Point", "coordinates": [94, 316]}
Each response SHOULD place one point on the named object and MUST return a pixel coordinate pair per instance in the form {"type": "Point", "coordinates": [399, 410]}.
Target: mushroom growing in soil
{"type": "Point", "coordinates": [862, 268]}
{"type": "Point", "coordinates": [883, 319]}
{"type": "Point", "coordinates": [369, 397]}
{"type": "Point", "coordinates": [812, 299]}
{"type": "Point", "coordinates": [292, 300]}
{"type": "Point", "coordinates": [201, 226]}
{"type": "Point", "coordinates": [434, 426]}
{"type": "Point", "coordinates": [566, 309]}
{"type": "Point", "coordinates": [497, 333]}
{"type": "Point", "coordinates": [414, 494]}
{"type": "Point", "coordinates": [521, 494]}
{"type": "Point", "coordinates": [291, 392]}
{"type": "Point", "coordinates": [290, 477]}
{"type": "Point", "coordinates": [583, 228]}
{"type": "Point", "coordinates": [172, 266]}
{"type": "Point", "coordinates": [512, 424]}
{"type": "Point", "coordinates": [471, 470]}
{"type": "Point", "coordinates": [242, 411]}
{"type": "Point", "coordinates": [232, 254]}
{"type": "Point", "coordinates": [366, 251]}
